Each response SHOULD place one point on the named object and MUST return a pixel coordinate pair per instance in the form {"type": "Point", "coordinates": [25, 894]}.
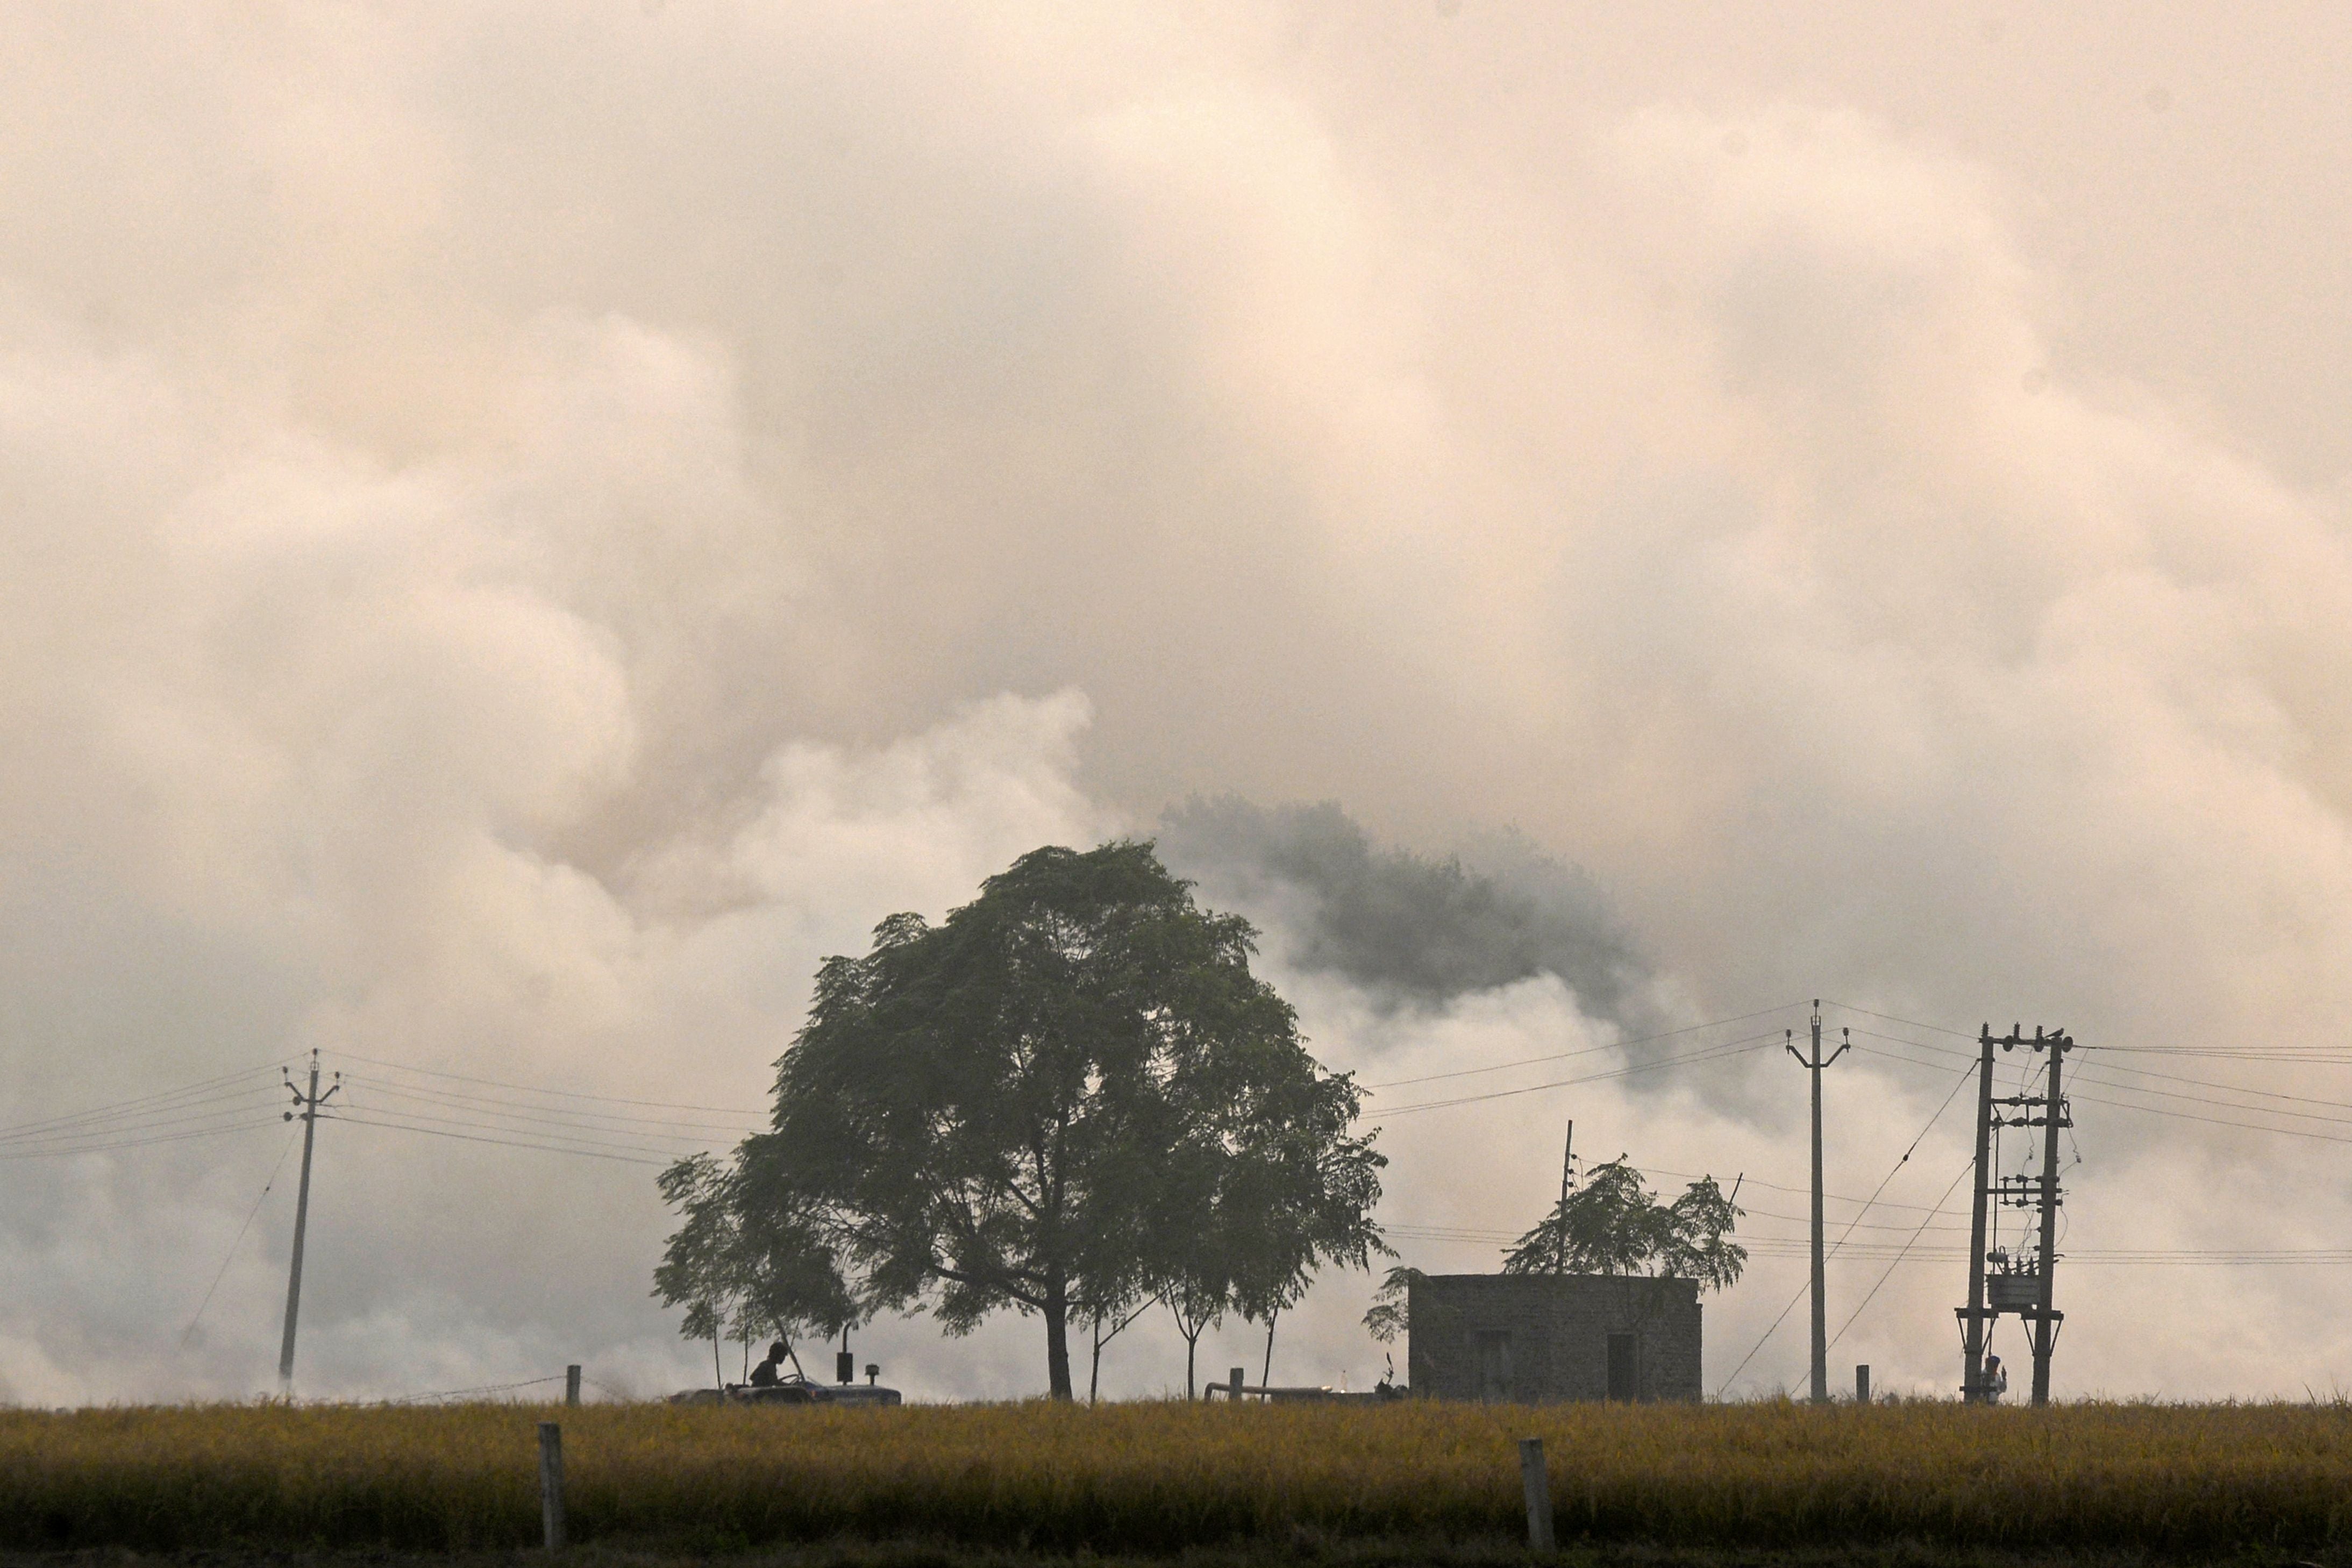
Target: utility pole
{"type": "Point", "coordinates": [1974, 1319]}
{"type": "Point", "coordinates": [307, 1107]}
{"type": "Point", "coordinates": [1999, 1282]}
{"type": "Point", "coordinates": [1566, 1180]}
{"type": "Point", "coordinates": [2045, 1322]}
{"type": "Point", "coordinates": [1821, 1300]}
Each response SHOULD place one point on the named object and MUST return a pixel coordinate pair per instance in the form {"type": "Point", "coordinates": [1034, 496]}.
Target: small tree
{"type": "Point", "coordinates": [698, 1267]}
{"type": "Point", "coordinates": [1612, 1225]}
{"type": "Point", "coordinates": [1391, 1315]}
{"type": "Point", "coordinates": [744, 1270]}
{"type": "Point", "coordinates": [1107, 1319]}
{"type": "Point", "coordinates": [1392, 1310]}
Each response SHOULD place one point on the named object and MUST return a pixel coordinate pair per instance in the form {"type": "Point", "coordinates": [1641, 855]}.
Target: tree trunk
{"type": "Point", "coordinates": [1266, 1378]}
{"type": "Point", "coordinates": [1057, 1340]}
{"type": "Point", "coordinates": [1192, 1344]}
{"type": "Point", "coordinates": [1094, 1378]}
{"type": "Point", "coordinates": [717, 1368]}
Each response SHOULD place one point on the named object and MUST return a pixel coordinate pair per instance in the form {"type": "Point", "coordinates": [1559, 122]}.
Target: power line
{"type": "Point", "coordinates": [103, 1112]}
{"type": "Point", "coordinates": [1582, 1051]}
{"type": "Point", "coordinates": [1903, 1253]}
{"type": "Point", "coordinates": [1850, 1225]}
{"type": "Point", "coordinates": [230, 1256]}
{"type": "Point", "coordinates": [555, 1116]}
{"type": "Point", "coordinates": [467, 1393]}
{"type": "Point", "coordinates": [244, 1102]}
{"type": "Point", "coordinates": [1717, 1053]}
{"type": "Point", "coordinates": [2157, 1110]}
{"type": "Point", "coordinates": [1907, 1023]}
{"type": "Point", "coordinates": [1778, 1187]}
{"type": "Point", "coordinates": [2246, 1089]}
{"type": "Point", "coordinates": [503, 1143]}
{"type": "Point", "coordinates": [99, 1148]}
{"type": "Point", "coordinates": [562, 1093]}
{"type": "Point", "coordinates": [579, 1137]}
{"type": "Point", "coordinates": [2318, 1055]}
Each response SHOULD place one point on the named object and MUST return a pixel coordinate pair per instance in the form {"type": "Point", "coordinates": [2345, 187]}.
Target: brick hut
{"type": "Point", "coordinates": [1532, 1338]}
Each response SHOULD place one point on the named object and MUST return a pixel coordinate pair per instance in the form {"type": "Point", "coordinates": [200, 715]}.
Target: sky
{"type": "Point", "coordinates": [530, 525]}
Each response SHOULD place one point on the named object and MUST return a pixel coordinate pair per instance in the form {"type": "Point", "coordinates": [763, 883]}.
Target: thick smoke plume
{"type": "Point", "coordinates": [1396, 923]}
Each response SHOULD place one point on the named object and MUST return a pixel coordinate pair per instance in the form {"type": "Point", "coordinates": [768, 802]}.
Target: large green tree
{"type": "Point", "coordinates": [1070, 1090]}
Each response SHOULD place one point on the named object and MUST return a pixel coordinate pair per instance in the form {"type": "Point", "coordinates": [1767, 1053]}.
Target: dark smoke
{"type": "Point", "coordinates": [1412, 929]}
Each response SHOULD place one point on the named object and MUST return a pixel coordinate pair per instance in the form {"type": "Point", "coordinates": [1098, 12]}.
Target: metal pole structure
{"type": "Point", "coordinates": [309, 1104]}
{"type": "Point", "coordinates": [1820, 1390]}
{"type": "Point", "coordinates": [1972, 1332]}
{"type": "Point", "coordinates": [2045, 1326]}
{"type": "Point", "coordinates": [1566, 1180]}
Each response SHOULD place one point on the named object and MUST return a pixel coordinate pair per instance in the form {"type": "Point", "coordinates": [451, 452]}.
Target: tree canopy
{"type": "Point", "coordinates": [1070, 1094]}
{"type": "Point", "coordinates": [741, 1271]}
{"type": "Point", "coordinates": [1612, 1225]}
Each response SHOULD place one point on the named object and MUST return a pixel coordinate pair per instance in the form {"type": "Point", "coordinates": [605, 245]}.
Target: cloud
{"type": "Point", "coordinates": [527, 529]}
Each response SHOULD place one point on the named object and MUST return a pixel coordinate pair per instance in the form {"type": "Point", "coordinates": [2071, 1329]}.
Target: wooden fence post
{"type": "Point", "coordinates": [551, 1484]}
{"type": "Point", "coordinates": [572, 1384]}
{"type": "Point", "coordinates": [1536, 1480]}
{"type": "Point", "coordinates": [1233, 1382]}
{"type": "Point", "coordinates": [1862, 1383]}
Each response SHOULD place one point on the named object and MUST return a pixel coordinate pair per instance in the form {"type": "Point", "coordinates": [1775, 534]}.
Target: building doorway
{"type": "Point", "coordinates": [1495, 1366]}
{"type": "Point", "coordinates": [1624, 1366]}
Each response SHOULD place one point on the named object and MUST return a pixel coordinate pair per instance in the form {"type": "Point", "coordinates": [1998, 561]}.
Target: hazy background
{"type": "Point", "coordinates": [526, 525]}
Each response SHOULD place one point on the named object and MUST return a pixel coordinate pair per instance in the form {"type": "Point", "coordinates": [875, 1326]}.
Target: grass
{"type": "Point", "coordinates": [1433, 1482]}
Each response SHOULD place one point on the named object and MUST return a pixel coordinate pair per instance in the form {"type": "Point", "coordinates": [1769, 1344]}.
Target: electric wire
{"type": "Point", "coordinates": [2307, 1133]}
{"type": "Point", "coordinates": [103, 1112]}
{"type": "Point", "coordinates": [554, 1116]}
{"type": "Point", "coordinates": [230, 1256]}
{"type": "Point", "coordinates": [1850, 1225]}
{"type": "Point", "coordinates": [243, 1104]}
{"type": "Point", "coordinates": [1891, 1018]}
{"type": "Point", "coordinates": [561, 1093]}
{"type": "Point", "coordinates": [2092, 1073]}
{"type": "Point", "coordinates": [1717, 1053]}
{"type": "Point", "coordinates": [502, 1142]}
{"type": "Point", "coordinates": [578, 1137]}
{"type": "Point", "coordinates": [101, 1147]}
{"type": "Point", "coordinates": [1582, 1051]}
{"type": "Point", "coordinates": [1897, 1260]}
{"type": "Point", "coordinates": [469, 1392]}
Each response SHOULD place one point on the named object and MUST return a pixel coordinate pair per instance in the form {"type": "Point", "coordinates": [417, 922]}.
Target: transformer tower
{"type": "Point", "coordinates": [1999, 1282]}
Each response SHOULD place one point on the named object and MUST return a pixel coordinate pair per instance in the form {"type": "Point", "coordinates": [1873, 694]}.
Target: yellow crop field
{"type": "Point", "coordinates": [1167, 1477]}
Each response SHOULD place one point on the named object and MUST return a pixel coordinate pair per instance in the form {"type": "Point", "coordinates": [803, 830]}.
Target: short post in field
{"type": "Point", "coordinates": [1862, 1383]}
{"type": "Point", "coordinates": [551, 1484]}
{"type": "Point", "coordinates": [1537, 1483]}
{"type": "Point", "coordinates": [1233, 1382]}
{"type": "Point", "coordinates": [572, 1384]}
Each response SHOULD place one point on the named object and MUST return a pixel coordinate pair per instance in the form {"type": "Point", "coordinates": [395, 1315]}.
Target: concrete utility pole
{"type": "Point", "coordinates": [2045, 1323]}
{"type": "Point", "coordinates": [1974, 1319]}
{"type": "Point", "coordinates": [308, 1108]}
{"type": "Point", "coordinates": [1820, 1300]}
